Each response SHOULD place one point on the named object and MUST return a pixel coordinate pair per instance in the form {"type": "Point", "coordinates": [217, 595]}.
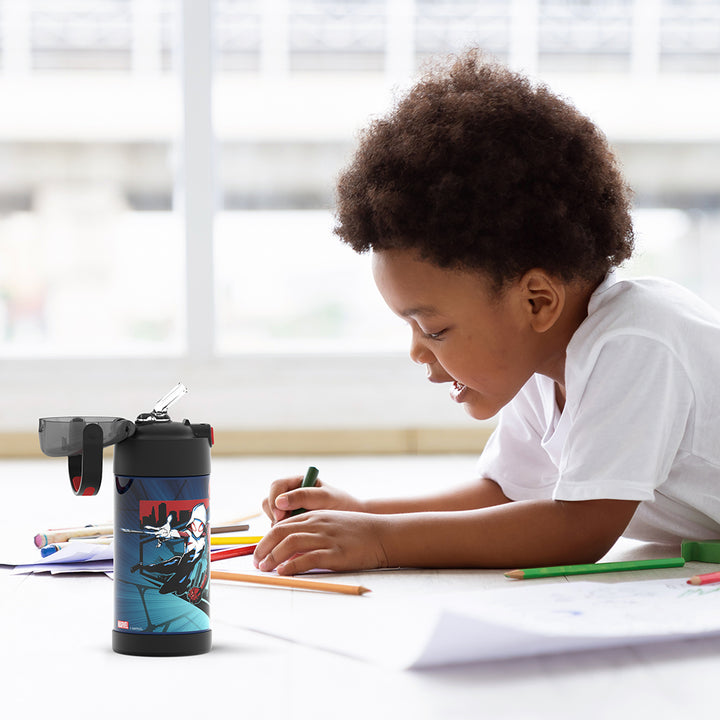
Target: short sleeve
{"type": "Point", "coordinates": [513, 456]}
{"type": "Point", "coordinates": [628, 423]}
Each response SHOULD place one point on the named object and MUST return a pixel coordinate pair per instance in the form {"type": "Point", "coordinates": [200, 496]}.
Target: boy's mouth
{"type": "Point", "coordinates": [458, 391]}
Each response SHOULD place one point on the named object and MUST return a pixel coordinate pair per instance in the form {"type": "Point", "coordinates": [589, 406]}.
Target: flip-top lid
{"type": "Point", "coordinates": [63, 436]}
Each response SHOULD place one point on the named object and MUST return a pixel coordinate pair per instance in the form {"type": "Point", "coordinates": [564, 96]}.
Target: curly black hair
{"type": "Point", "coordinates": [478, 169]}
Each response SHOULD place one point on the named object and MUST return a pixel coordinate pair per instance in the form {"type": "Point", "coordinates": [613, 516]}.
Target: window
{"type": "Point", "coordinates": [91, 247]}
{"type": "Point", "coordinates": [166, 189]}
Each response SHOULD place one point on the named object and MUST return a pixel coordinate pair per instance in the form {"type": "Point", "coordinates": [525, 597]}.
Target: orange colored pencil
{"type": "Point", "coordinates": [289, 582]}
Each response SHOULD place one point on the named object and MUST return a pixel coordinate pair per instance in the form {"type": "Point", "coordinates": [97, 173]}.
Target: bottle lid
{"type": "Point", "coordinates": [82, 439]}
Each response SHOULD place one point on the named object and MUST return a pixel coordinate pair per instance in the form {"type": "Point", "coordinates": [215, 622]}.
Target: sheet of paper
{"type": "Point", "coordinates": [491, 624]}
{"type": "Point", "coordinates": [93, 566]}
{"type": "Point", "coordinates": [569, 616]}
{"type": "Point", "coordinates": [82, 556]}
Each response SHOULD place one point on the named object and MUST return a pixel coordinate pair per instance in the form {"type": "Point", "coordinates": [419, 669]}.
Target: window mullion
{"type": "Point", "coordinates": [196, 183]}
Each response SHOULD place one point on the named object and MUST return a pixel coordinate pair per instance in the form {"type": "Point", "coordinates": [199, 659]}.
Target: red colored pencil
{"type": "Point", "coordinates": [712, 577]}
{"type": "Point", "coordinates": [232, 552]}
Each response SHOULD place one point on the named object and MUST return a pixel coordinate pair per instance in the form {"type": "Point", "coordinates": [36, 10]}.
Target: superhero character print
{"type": "Point", "coordinates": [174, 553]}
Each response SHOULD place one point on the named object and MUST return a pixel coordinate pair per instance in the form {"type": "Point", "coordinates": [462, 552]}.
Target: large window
{"type": "Point", "coordinates": [91, 248]}
{"type": "Point", "coordinates": [166, 188]}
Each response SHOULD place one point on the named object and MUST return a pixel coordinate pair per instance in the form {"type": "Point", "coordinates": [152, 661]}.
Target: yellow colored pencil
{"type": "Point", "coordinates": [236, 540]}
{"type": "Point", "coordinates": [289, 582]}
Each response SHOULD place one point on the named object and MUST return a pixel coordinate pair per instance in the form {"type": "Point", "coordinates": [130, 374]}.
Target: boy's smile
{"type": "Point", "coordinates": [487, 345]}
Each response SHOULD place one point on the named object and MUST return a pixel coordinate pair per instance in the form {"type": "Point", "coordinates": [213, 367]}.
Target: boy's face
{"type": "Point", "coordinates": [464, 334]}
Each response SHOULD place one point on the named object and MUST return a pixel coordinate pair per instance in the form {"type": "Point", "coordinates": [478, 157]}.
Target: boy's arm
{"type": "Point", "coordinates": [480, 493]}
{"type": "Point", "coordinates": [529, 533]}
{"type": "Point", "coordinates": [518, 534]}
{"type": "Point", "coordinates": [282, 501]}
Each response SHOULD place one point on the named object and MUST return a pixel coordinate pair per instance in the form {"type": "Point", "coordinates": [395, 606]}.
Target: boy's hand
{"type": "Point", "coordinates": [286, 495]}
{"type": "Point", "coordinates": [324, 540]}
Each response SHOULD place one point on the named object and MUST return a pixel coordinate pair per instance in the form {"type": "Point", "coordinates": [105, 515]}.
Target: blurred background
{"type": "Point", "coordinates": [166, 189]}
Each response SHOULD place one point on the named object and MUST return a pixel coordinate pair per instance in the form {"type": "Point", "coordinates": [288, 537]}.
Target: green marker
{"type": "Point", "coordinates": [595, 568]}
{"type": "Point", "coordinates": [308, 481]}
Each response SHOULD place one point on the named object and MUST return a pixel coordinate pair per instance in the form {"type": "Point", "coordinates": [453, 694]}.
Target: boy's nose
{"type": "Point", "coordinates": [419, 351]}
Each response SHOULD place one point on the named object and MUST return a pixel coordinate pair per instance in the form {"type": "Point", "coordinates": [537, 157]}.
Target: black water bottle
{"type": "Point", "coordinates": [162, 536]}
{"type": "Point", "coordinates": [161, 530]}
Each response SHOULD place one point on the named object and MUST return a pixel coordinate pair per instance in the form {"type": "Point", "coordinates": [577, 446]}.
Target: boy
{"type": "Point", "coordinates": [495, 214]}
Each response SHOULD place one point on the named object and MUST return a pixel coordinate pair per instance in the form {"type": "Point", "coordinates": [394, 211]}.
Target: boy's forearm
{"type": "Point", "coordinates": [518, 534]}
{"type": "Point", "coordinates": [477, 494]}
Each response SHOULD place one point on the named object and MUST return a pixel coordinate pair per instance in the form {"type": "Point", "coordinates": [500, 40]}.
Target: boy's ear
{"type": "Point", "coordinates": [543, 298]}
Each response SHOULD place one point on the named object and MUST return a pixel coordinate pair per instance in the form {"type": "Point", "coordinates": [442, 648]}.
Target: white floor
{"type": "Point", "coordinates": [55, 633]}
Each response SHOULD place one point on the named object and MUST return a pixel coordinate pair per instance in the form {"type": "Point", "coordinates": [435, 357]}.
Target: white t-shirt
{"type": "Point", "coordinates": [641, 419]}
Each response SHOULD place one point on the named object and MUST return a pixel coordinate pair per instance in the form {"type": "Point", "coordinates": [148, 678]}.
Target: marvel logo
{"type": "Point", "coordinates": [123, 625]}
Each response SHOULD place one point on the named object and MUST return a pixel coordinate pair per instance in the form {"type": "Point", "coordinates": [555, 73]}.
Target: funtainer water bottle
{"type": "Point", "coordinates": [161, 527]}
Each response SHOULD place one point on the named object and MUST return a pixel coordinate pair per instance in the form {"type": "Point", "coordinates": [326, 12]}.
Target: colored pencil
{"type": "Point", "coordinates": [229, 528]}
{"type": "Point", "coordinates": [704, 579]}
{"type": "Point", "coordinates": [59, 536]}
{"type": "Point", "coordinates": [308, 481]}
{"type": "Point", "coordinates": [289, 582]}
{"type": "Point", "coordinates": [236, 540]}
{"type": "Point", "coordinates": [232, 552]}
{"type": "Point", "coordinates": [99, 540]}
{"type": "Point", "coordinates": [50, 550]}
{"type": "Point", "coordinates": [531, 573]}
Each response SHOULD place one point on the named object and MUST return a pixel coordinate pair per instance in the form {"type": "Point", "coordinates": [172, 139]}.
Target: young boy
{"type": "Point", "coordinates": [495, 214]}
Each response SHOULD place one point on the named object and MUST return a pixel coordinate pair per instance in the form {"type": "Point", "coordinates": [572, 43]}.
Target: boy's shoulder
{"type": "Point", "coordinates": [651, 346]}
{"type": "Point", "coordinates": [650, 306]}
{"type": "Point", "coordinates": [658, 311]}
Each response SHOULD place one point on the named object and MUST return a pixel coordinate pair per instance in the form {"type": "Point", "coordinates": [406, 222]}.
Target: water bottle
{"type": "Point", "coordinates": [161, 526]}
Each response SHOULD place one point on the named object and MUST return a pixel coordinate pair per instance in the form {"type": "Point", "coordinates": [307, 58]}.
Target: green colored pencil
{"type": "Point", "coordinates": [595, 568]}
{"type": "Point", "coordinates": [308, 481]}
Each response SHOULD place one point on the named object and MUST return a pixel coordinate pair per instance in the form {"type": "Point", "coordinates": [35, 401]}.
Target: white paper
{"type": "Point", "coordinates": [95, 566]}
{"type": "Point", "coordinates": [72, 557]}
{"type": "Point", "coordinates": [490, 624]}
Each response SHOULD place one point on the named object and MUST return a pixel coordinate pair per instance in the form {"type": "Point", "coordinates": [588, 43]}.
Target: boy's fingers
{"type": "Point", "coordinates": [308, 498]}
{"type": "Point", "coordinates": [301, 563]}
{"type": "Point", "coordinates": [283, 502]}
{"type": "Point", "coordinates": [285, 484]}
{"type": "Point", "coordinates": [271, 511]}
{"type": "Point", "coordinates": [280, 545]}
{"type": "Point", "coordinates": [267, 548]}
{"type": "Point", "coordinates": [277, 489]}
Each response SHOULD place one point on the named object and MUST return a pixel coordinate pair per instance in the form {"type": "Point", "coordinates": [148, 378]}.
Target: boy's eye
{"type": "Point", "coordinates": [435, 335]}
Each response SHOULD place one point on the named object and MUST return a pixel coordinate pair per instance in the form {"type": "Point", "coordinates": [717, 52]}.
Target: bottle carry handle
{"type": "Point", "coordinates": [81, 440]}
{"type": "Point", "coordinates": [85, 468]}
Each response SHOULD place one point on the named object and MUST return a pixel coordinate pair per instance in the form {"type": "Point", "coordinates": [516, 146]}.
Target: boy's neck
{"type": "Point", "coordinates": [577, 298]}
